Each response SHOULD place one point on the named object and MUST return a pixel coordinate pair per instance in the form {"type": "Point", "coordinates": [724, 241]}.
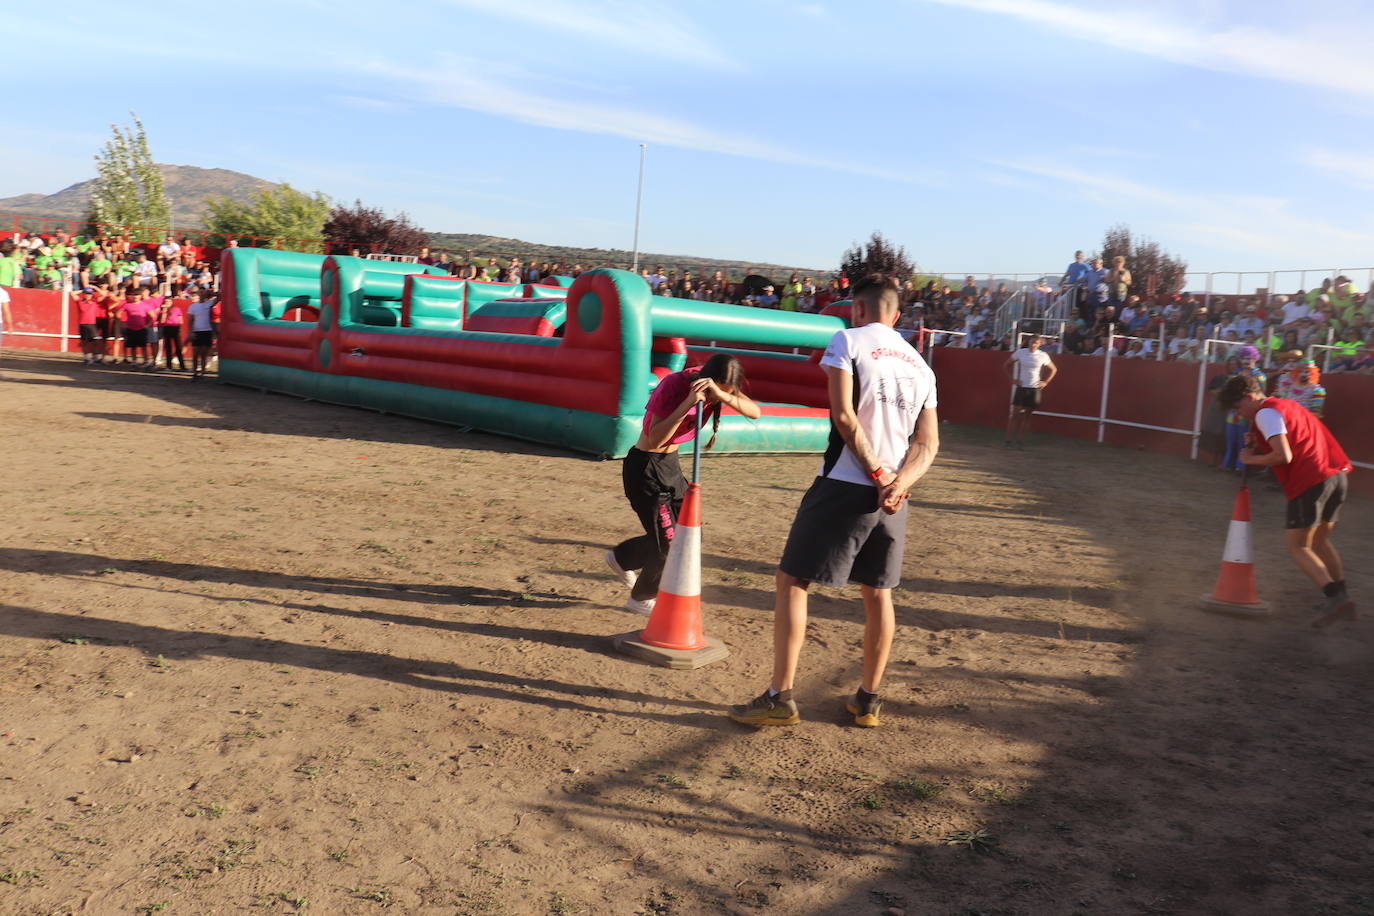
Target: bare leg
{"type": "Point", "coordinates": [879, 625]}
{"type": "Point", "coordinates": [1326, 551]}
{"type": "Point", "coordinates": [789, 628]}
{"type": "Point", "coordinates": [1300, 547]}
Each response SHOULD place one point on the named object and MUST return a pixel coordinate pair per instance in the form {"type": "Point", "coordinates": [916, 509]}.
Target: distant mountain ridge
{"type": "Point", "coordinates": [189, 187]}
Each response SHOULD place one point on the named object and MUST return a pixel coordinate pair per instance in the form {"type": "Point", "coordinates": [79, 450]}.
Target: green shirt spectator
{"type": "Point", "coordinates": [99, 267]}
{"type": "Point", "coordinates": [11, 271]}
{"type": "Point", "coordinates": [41, 262]}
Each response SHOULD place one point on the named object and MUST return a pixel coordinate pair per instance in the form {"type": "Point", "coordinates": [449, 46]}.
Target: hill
{"type": "Point", "coordinates": [187, 187]}
{"type": "Point", "coordinates": [490, 246]}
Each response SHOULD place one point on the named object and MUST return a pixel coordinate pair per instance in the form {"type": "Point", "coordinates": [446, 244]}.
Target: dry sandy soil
{"type": "Point", "coordinates": [264, 653]}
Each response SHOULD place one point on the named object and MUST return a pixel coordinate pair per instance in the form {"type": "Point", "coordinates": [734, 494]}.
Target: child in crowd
{"type": "Point", "coordinates": [169, 321]}
{"type": "Point", "coordinates": [88, 309]}
{"type": "Point", "coordinates": [1236, 425]}
{"type": "Point", "coordinates": [201, 315]}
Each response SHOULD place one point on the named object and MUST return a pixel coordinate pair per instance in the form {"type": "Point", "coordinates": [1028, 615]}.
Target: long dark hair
{"type": "Point", "coordinates": [725, 371]}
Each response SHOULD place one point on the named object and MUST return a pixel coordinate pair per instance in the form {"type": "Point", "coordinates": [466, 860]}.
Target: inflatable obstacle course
{"type": "Point", "coordinates": [571, 366]}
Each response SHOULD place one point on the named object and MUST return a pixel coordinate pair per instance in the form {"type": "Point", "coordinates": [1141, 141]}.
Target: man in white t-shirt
{"type": "Point", "coordinates": [167, 252]}
{"type": "Point", "coordinates": [851, 525]}
{"type": "Point", "coordinates": [1026, 368]}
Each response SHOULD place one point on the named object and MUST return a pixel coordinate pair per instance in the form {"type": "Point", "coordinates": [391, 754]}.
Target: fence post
{"type": "Point", "coordinates": [1160, 357]}
{"type": "Point", "coordinates": [65, 325]}
{"type": "Point", "coordinates": [1201, 383]}
{"type": "Point", "coordinates": [1326, 361]}
{"type": "Point", "coordinates": [1106, 385]}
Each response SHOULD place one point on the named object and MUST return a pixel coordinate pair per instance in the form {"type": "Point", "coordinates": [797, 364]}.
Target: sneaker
{"type": "Point", "coordinates": [645, 607]}
{"type": "Point", "coordinates": [865, 710]}
{"type": "Point", "coordinates": [765, 710]}
{"type": "Point", "coordinates": [627, 577]}
{"type": "Point", "coordinates": [1333, 609]}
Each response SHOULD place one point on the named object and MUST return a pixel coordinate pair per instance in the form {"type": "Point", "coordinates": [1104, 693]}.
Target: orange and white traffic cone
{"type": "Point", "coordinates": [1235, 591]}
{"type": "Point", "coordinates": [674, 636]}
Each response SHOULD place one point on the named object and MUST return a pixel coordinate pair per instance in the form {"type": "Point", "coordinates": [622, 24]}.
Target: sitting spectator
{"type": "Point", "coordinates": [1135, 349]}
{"type": "Point", "coordinates": [145, 271]}
{"type": "Point", "coordinates": [167, 252]}
{"type": "Point", "coordinates": [766, 299]}
{"type": "Point", "coordinates": [1179, 344]}
{"type": "Point", "coordinates": [1249, 320]}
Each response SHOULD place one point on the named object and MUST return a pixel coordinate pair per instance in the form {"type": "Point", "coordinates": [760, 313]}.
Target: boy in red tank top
{"type": "Point", "coordinates": [1313, 469]}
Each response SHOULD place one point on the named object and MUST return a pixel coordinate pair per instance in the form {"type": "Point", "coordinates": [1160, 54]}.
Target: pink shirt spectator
{"type": "Point", "coordinates": [173, 317]}
{"type": "Point", "coordinates": [136, 314]}
{"type": "Point", "coordinates": [87, 309]}
{"type": "Point", "coordinates": [665, 399]}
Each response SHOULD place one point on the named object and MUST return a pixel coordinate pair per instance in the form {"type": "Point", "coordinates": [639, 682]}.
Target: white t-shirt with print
{"type": "Point", "coordinates": [1028, 365]}
{"type": "Point", "coordinates": [893, 385]}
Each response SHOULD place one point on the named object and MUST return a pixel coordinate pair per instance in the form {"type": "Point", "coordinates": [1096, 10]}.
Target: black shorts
{"type": "Point", "coordinates": [842, 535]}
{"type": "Point", "coordinates": [202, 338]}
{"type": "Point", "coordinates": [1028, 398]}
{"type": "Point", "coordinates": [134, 338]}
{"type": "Point", "coordinates": [89, 333]}
{"type": "Point", "coordinates": [102, 326]}
{"type": "Point", "coordinates": [1321, 503]}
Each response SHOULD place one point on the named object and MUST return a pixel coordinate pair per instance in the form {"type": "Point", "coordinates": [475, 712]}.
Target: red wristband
{"type": "Point", "coordinates": [875, 475]}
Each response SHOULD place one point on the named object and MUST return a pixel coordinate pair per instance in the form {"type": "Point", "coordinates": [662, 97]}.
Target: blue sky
{"type": "Point", "coordinates": [984, 135]}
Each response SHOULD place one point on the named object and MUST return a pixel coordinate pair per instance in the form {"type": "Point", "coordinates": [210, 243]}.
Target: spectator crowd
{"type": "Point", "coordinates": [1093, 302]}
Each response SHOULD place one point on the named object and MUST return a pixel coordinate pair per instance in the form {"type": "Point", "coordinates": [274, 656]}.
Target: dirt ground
{"type": "Point", "coordinates": [265, 653]}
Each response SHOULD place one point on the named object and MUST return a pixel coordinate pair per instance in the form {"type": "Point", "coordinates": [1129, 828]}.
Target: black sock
{"type": "Point", "coordinates": [1332, 589]}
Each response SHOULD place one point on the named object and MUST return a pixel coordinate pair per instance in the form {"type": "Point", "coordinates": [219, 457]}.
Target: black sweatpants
{"type": "Point", "coordinates": [654, 485]}
{"type": "Point", "coordinates": [171, 344]}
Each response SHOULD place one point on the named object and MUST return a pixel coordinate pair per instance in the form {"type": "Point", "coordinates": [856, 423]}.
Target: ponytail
{"type": "Point", "coordinates": [725, 371]}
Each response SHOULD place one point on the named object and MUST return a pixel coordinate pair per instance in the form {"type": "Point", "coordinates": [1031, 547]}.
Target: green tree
{"type": "Point", "coordinates": [1154, 273]}
{"type": "Point", "coordinates": [280, 217]}
{"type": "Point", "coordinates": [128, 188]}
{"type": "Point", "coordinates": [878, 255]}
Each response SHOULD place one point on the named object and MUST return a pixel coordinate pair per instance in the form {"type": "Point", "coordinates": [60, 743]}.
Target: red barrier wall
{"type": "Point", "coordinates": [974, 388]}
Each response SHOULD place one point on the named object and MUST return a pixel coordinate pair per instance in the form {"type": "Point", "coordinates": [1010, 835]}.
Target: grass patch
{"type": "Point", "coordinates": [919, 788]}
{"type": "Point", "coordinates": [979, 841]}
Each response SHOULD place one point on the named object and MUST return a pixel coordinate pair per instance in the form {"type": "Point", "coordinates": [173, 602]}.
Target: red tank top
{"type": "Point", "coordinates": [1316, 453]}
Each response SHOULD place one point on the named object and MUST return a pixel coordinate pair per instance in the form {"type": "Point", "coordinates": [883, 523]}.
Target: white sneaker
{"type": "Point", "coordinates": [640, 607]}
{"type": "Point", "coordinates": [627, 577]}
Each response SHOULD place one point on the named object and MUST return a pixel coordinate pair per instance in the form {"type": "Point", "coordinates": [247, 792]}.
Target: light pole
{"type": "Point", "coordinates": [639, 201]}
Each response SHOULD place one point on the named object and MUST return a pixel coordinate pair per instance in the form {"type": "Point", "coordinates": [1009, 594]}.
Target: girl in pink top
{"type": "Point", "coordinates": [652, 476]}
{"type": "Point", "coordinates": [169, 321]}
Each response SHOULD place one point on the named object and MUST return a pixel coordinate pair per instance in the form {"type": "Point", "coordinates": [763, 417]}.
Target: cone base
{"type": "Point", "coordinates": [679, 659]}
{"type": "Point", "coordinates": [1256, 611]}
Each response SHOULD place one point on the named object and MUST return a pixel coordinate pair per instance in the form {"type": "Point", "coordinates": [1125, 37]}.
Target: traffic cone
{"type": "Point", "coordinates": [674, 637]}
{"type": "Point", "coordinates": [1235, 591]}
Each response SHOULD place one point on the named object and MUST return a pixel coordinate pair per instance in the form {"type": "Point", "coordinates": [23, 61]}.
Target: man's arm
{"type": "Point", "coordinates": [841, 387]}
{"type": "Point", "coordinates": [1010, 366]}
{"type": "Point", "coordinates": [1282, 453]}
{"type": "Point", "coordinates": [925, 445]}
{"type": "Point", "coordinates": [1046, 379]}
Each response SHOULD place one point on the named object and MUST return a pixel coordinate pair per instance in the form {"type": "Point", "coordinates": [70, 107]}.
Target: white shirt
{"type": "Point", "coordinates": [146, 269]}
{"type": "Point", "coordinates": [1270, 423]}
{"type": "Point", "coordinates": [200, 312]}
{"type": "Point", "coordinates": [1028, 365]}
{"type": "Point", "coordinates": [4, 301]}
{"type": "Point", "coordinates": [168, 249]}
{"type": "Point", "coordinates": [1295, 311]}
{"type": "Point", "coordinates": [893, 385]}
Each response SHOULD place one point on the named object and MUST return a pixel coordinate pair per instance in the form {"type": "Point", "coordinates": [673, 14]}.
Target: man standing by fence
{"type": "Point", "coordinates": [1313, 469]}
{"type": "Point", "coordinates": [1026, 367]}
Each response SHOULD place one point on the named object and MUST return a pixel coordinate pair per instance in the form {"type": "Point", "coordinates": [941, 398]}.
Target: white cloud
{"type": "Point", "coordinates": [1355, 169]}
{"type": "Point", "coordinates": [649, 28]}
{"type": "Point", "coordinates": [456, 83]}
{"type": "Point", "coordinates": [1332, 58]}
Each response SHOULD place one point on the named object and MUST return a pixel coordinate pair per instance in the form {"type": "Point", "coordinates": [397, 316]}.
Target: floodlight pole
{"type": "Point", "coordinates": [639, 201]}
